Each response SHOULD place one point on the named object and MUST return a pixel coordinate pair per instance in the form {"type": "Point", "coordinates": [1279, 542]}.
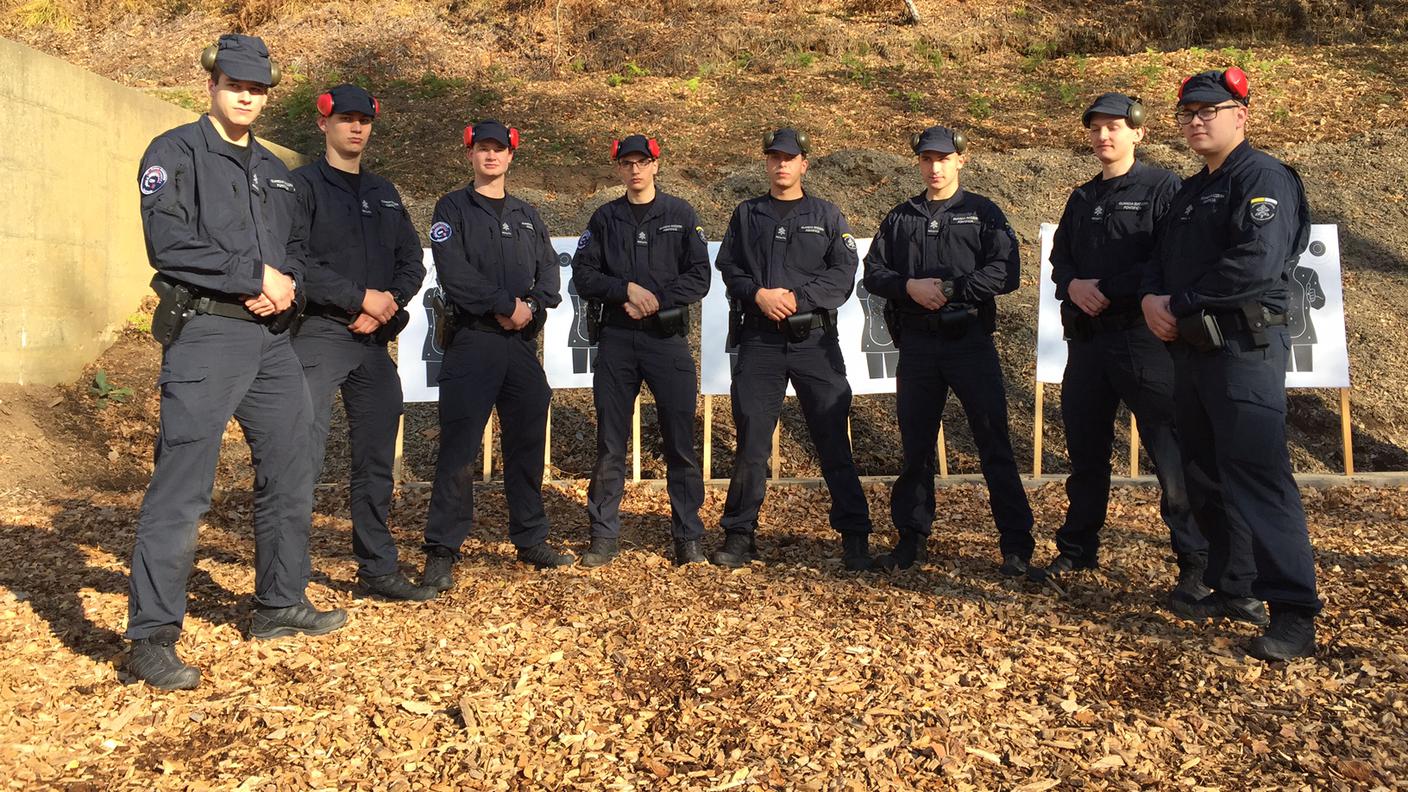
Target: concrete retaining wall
{"type": "Point", "coordinates": [72, 263]}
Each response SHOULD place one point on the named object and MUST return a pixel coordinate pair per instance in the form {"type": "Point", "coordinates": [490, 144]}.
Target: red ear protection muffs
{"type": "Point", "coordinates": [615, 147]}
{"type": "Point", "coordinates": [654, 148]}
{"type": "Point", "coordinates": [512, 137]}
{"type": "Point", "coordinates": [1233, 79]}
{"type": "Point", "coordinates": [325, 105]}
{"type": "Point", "coordinates": [1236, 81]}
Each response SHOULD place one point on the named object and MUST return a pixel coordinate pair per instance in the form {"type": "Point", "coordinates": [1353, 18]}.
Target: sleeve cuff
{"type": "Point", "coordinates": [504, 305]}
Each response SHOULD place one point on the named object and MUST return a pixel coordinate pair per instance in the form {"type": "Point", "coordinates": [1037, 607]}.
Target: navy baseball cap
{"type": "Point", "coordinates": [348, 98]}
{"type": "Point", "coordinates": [787, 141]}
{"type": "Point", "coordinates": [1215, 87]}
{"type": "Point", "coordinates": [491, 130]}
{"type": "Point", "coordinates": [244, 58]}
{"type": "Point", "coordinates": [1111, 104]}
{"type": "Point", "coordinates": [939, 139]}
{"type": "Point", "coordinates": [636, 144]}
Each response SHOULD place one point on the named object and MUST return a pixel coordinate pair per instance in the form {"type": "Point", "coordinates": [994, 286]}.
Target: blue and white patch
{"type": "Point", "coordinates": [1262, 210]}
{"type": "Point", "coordinates": [153, 179]}
{"type": "Point", "coordinates": [439, 232]}
{"type": "Point", "coordinates": [584, 240]}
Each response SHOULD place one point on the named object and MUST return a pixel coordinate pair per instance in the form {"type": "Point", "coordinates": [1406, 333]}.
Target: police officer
{"type": "Point", "coordinates": [364, 265]}
{"type": "Point", "coordinates": [221, 223]}
{"type": "Point", "coordinates": [1217, 290]}
{"type": "Point", "coordinates": [498, 269]}
{"type": "Point", "coordinates": [1097, 259]}
{"type": "Point", "coordinates": [645, 259]}
{"type": "Point", "coordinates": [940, 258]}
{"type": "Point", "coordinates": [789, 261]}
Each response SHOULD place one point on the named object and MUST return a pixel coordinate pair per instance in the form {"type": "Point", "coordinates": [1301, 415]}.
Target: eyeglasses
{"type": "Point", "coordinates": [1205, 113]}
{"type": "Point", "coordinates": [640, 164]}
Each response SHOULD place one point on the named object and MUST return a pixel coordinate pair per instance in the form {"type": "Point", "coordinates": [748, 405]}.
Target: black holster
{"type": "Point", "coordinates": [173, 309]}
{"type": "Point", "coordinates": [1202, 332]}
{"type": "Point", "coordinates": [1072, 324]}
{"type": "Point", "coordinates": [673, 321]}
{"type": "Point", "coordinates": [594, 310]}
{"type": "Point", "coordinates": [392, 328]}
{"type": "Point", "coordinates": [892, 322]}
{"type": "Point", "coordinates": [735, 324]}
{"type": "Point", "coordinates": [291, 315]}
{"type": "Point", "coordinates": [446, 320]}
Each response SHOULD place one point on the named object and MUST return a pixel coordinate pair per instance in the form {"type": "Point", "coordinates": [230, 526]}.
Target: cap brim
{"type": "Point", "coordinates": [783, 148]}
{"type": "Point", "coordinates": [1205, 96]}
{"type": "Point", "coordinates": [246, 72]}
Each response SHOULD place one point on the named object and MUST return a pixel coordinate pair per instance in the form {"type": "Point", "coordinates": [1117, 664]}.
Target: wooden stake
{"type": "Point", "coordinates": [489, 447]}
{"type": "Point", "coordinates": [547, 445]}
{"type": "Point", "coordinates": [708, 436]}
{"type": "Point", "coordinates": [1133, 447]}
{"type": "Point", "coordinates": [398, 467]}
{"type": "Point", "coordinates": [777, 449]}
{"type": "Point", "coordinates": [1346, 432]}
{"type": "Point", "coordinates": [943, 453]}
{"type": "Point", "coordinates": [1036, 431]}
{"type": "Point", "coordinates": [635, 441]}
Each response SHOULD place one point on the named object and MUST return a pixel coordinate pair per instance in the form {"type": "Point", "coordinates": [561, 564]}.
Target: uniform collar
{"type": "Point", "coordinates": [333, 176]}
{"type": "Point", "coordinates": [920, 202]}
{"type": "Point", "coordinates": [218, 145]}
{"type": "Point", "coordinates": [805, 206]}
{"type": "Point", "coordinates": [510, 203]}
{"type": "Point", "coordinates": [623, 208]}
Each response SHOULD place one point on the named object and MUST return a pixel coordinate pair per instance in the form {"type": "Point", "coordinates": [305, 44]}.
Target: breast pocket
{"type": "Point", "coordinates": [665, 251]}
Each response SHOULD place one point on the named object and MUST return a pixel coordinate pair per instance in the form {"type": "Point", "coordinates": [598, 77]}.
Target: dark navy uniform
{"type": "Point", "coordinates": [1228, 243]}
{"type": "Point", "coordinates": [212, 221]}
{"type": "Point", "coordinates": [484, 262]}
{"type": "Point", "coordinates": [1106, 233]}
{"type": "Point", "coordinates": [967, 243]}
{"type": "Point", "coordinates": [812, 253]}
{"type": "Point", "coordinates": [666, 253]}
{"type": "Point", "coordinates": [357, 241]}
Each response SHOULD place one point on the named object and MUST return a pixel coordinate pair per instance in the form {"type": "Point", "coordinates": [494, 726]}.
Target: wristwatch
{"type": "Point", "coordinates": [532, 304]}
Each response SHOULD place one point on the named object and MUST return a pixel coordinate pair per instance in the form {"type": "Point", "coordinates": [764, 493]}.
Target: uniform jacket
{"type": "Point", "coordinates": [211, 224]}
{"type": "Point", "coordinates": [1109, 238]}
{"type": "Point", "coordinates": [484, 263]}
{"type": "Point", "coordinates": [1231, 236]}
{"type": "Point", "coordinates": [967, 242]}
{"type": "Point", "coordinates": [356, 242]}
{"type": "Point", "coordinates": [812, 253]}
{"type": "Point", "coordinates": [666, 253]}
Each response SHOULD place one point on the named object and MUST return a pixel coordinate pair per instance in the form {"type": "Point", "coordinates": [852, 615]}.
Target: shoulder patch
{"type": "Point", "coordinates": [153, 179]}
{"type": "Point", "coordinates": [1262, 210]}
{"type": "Point", "coordinates": [439, 232]}
{"type": "Point", "coordinates": [584, 240]}
{"type": "Point", "coordinates": [850, 242]}
{"type": "Point", "coordinates": [702, 237]}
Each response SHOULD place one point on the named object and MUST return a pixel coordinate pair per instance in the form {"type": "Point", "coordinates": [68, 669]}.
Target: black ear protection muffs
{"type": "Point", "coordinates": [803, 142]}
{"type": "Point", "coordinates": [207, 62]}
{"type": "Point", "coordinates": [960, 141]}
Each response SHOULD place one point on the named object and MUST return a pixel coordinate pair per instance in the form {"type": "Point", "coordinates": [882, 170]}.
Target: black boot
{"type": "Point", "coordinates": [301, 618]}
{"type": "Point", "coordinates": [601, 552]}
{"type": "Point", "coordinates": [1190, 586]}
{"type": "Point", "coordinates": [738, 550]}
{"type": "Point", "coordinates": [1013, 565]}
{"type": "Point", "coordinates": [439, 566]}
{"type": "Point", "coordinates": [1220, 606]}
{"type": "Point", "coordinates": [910, 550]}
{"type": "Point", "coordinates": [542, 556]}
{"type": "Point", "coordinates": [153, 660]}
{"type": "Point", "coordinates": [855, 551]}
{"type": "Point", "coordinates": [689, 551]}
{"type": "Point", "coordinates": [1291, 635]}
{"type": "Point", "coordinates": [395, 586]}
{"type": "Point", "coordinates": [1060, 565]}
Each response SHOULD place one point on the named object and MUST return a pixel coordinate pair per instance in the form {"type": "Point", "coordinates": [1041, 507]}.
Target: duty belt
{"type": "Point", "coordinates": [1235, 319]}
{"type": "Point", "coordinates": [331, 312]}
{"type": "Point", "coordinates": [227, 307]}
{"type": "Point", "coordinates": [670, 322]}
{"type": "Point", "coordinates": [1109, 322]}
{"type": "Point", "coordinates": [755, 322]}
{"type": "Point", "coordinates": [484, 322]}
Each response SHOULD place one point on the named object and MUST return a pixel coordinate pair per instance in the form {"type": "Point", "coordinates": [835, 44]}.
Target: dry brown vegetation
{"type": "Point", "coordinates": [788, 675]}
